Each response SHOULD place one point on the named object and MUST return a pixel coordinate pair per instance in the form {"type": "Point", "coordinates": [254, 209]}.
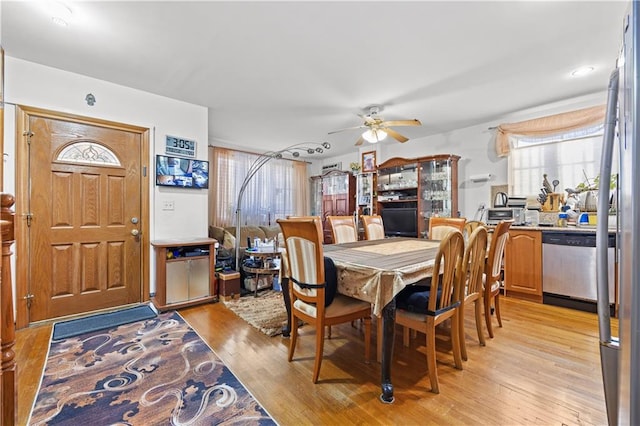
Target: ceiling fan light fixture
{"type": "Point", "coordinates": [374, 135]}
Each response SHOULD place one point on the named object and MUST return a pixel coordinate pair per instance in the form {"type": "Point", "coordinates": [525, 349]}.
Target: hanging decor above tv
{"type": "Point", "coordinates": [181, 172]}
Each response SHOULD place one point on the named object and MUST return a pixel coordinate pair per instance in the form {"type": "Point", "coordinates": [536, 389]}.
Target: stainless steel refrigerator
{"type": "Point", "coordinates": [620, 355]}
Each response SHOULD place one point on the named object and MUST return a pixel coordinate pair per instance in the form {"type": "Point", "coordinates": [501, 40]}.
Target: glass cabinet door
{"type": "Point", "coordinates": [398, 178]}
{"type": "Point", "coordinates": [364, 193]}
{"type": "Point", "coordinates": [316, 196]}
{"type": "Point", "coordinates": [335, 184]}
{"type": "Point", "coordinates": [436, 182]}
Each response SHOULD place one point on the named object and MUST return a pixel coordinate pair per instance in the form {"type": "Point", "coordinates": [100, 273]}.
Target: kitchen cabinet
{"type": "Point", "coordinates": [184, 272]}
{"type": "Point", "coordinates": [523, 264]}
{"type": "Point", "coordinates": [333, 194]}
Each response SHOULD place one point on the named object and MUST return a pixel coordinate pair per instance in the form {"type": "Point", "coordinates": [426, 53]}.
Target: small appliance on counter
{"type": "Point", "coordinates": [587, 220]}
{"type": "Point", "coordinates": [548, 219]}
{"type": "Point", "coordinates": [494, 216]}
{"type": "Point", "coordinates": [517, 202]}
{"type": "Point", "coordinates": [500, 200]}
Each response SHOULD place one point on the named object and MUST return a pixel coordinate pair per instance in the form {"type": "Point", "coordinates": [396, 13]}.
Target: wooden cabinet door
{"type": "Point", "coordinates": [523, 264]}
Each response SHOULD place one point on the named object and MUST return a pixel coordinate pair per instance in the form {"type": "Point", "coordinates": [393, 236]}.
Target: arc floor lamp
{"type": "Point", "coordinates": [294, 151]}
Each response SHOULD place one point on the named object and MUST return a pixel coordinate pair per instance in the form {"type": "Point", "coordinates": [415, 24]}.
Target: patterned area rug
{"type": "Point", "coordinates": [150, 372]}
{"type": "Point", "coordinates": [265, 312]}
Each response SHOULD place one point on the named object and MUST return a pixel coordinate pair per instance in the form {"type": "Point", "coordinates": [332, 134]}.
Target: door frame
{"type": "Point", "coordinates": [23, 114]}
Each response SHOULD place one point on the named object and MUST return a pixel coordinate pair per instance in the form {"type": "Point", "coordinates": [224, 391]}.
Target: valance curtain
{"type": "Point", "coordinates": [279, 189]}
{"type": "Point", "coordinates": [546, 126]}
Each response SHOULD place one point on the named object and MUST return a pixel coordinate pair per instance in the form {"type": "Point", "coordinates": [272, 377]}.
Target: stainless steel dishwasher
{"type": "Point", "coordinates": [569, 269]}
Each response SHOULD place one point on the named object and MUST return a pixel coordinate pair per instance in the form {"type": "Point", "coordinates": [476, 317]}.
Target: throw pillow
{"type": "Point", "coordinates": [216, 232]}
{"type": "Point", "coordinates": [229, 241]}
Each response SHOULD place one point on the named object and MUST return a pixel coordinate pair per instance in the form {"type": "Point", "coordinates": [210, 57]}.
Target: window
{"type": "Point", "coordinates": [570, 157]}
{"type": "Point", "coordinates": [278, 189]}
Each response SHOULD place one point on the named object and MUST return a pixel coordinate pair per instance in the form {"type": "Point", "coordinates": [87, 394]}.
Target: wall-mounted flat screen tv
{"type": "Point", "coordinates": [400, 222]}
{"type": "Point", "coordinates": [181, 172]}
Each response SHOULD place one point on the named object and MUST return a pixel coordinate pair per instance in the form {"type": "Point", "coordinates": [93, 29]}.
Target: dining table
{"type": "Point", "coordinates": [376, 271]}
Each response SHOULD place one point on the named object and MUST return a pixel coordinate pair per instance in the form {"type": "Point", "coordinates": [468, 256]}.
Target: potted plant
{"type": "Point", "coordinates": [355, 167]}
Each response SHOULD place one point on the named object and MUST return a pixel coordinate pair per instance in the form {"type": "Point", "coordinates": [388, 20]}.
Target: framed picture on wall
{"type": "Point", "coordinates": [368, 161]}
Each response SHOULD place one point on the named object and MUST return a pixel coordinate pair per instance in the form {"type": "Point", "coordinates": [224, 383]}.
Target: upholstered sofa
{"type": "Point", "coordinates": [227, 236]}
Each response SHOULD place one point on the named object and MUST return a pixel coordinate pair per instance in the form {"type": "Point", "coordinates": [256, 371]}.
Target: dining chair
{"type": "Point", "coordinates": [343, 229]}
{"type": "Point", "coordinates": [373, 227]}
{"type": "Point", "coordinates": [440, 226]}
{"type": "Point", "coordinates": [493, 273]}
{"type": "Point", "coordinates": [303, 242]}
{"type": "Point", "coordinates": [425, 309]}
{"type": "Point", "coordinates": [471, 226]}
{"type": "Point", "coordinates": [470, 277]}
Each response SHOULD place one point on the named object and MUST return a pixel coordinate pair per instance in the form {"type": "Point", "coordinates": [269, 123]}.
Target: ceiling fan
{"type": "Point", "coordinates": [378, 128]}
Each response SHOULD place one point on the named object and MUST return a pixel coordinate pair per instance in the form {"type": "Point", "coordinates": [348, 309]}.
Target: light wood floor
{"type": "Point", "coordinates": [542, 367]}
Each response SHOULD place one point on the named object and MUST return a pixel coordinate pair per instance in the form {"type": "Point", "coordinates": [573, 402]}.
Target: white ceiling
{"type": "Point", "coordinates": [273, 74]}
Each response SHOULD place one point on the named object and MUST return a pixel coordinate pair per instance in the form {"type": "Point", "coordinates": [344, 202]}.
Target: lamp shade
{"type": "Point", "coordinates": [374, 135]}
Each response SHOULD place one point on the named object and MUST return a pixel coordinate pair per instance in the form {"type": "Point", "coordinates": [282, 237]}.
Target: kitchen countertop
{"type": "Point", "coordinates": [569, 228]}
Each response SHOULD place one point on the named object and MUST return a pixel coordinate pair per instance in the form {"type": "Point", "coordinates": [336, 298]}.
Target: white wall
{"type": "Point", "coordinates": [475, 146]}
{"type": "Point", "coordinates": [34, 85]}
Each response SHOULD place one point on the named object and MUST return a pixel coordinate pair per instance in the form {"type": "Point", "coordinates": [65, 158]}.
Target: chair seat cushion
{"type": "Point", "coordinates": [342, 305]}
{"type": "Point", "coordinates": [331, 278]}
{"type": "Point", "coordinates": [414, 299]}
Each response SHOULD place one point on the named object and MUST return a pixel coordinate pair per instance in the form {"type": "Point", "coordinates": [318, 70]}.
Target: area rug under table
{"type": "Point", "coordinates": [152, 372]}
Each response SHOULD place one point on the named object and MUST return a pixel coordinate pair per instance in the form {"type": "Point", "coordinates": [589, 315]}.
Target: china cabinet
{"type": "Point", "coordinates": [333, 194]}
{"type": "Point", "coordinates": [427, 185]}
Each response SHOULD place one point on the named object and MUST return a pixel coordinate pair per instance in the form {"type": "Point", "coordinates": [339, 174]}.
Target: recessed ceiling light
{"type": "Point", "coordinates": [580, 72]}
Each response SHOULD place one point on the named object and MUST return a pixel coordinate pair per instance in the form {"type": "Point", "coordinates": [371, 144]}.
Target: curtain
{"type": "Point", "coordinates": [279, 188]}
{"type": "Point", "coordinates": [549, 125]}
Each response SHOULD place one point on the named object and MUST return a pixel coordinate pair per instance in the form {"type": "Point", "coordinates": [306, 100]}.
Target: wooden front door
{"type": "Point", "coordinates": [84, 217]}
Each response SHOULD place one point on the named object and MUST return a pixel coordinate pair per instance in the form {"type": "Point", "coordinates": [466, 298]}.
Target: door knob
{"type": "Point", "coordinates": [135, 232]}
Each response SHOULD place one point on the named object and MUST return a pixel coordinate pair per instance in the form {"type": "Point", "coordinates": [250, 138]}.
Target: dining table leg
{"type": "Point", "coordinates": [286, 329]}
{"type": "Point", "coordinates": [388, 338]}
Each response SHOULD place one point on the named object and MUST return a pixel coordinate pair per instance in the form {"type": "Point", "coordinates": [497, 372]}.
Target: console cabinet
{"type": "Point", "coordinates": [523, 265]}
{"type": "Point", "coordinates": [184, 272]}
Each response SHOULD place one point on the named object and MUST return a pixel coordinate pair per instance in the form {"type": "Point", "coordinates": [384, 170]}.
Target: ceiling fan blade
{"type": "Point", "coordinates": [397, 136]}
{"type": "Point", "coordinates": [413, 122]}
{"type": "Point", "coordinates": [360, 141]}
{"type": "Point", "coordinates": [348, 128]}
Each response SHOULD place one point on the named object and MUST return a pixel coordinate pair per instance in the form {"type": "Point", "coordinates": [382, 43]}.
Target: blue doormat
{"type": "Point", "coordinates": [71, 328]}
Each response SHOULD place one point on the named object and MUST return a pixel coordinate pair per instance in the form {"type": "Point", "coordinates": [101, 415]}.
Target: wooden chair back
{"type": "Point", "coordinates": [449, 262]}
{"type": "Point", "coordinates": [470, 282]}
{"type": "Point", "coordinates": [471, 226]}
{"type": "Point", "coordinates": [439, 227]}
{"type": "Point", "coordinates": [493, 273]}
{"type": "Point", "coordinates": [305, 259]}
{"type": "Point", "coordinates": [343, 229]}
{"type": "Point", "coordinates": [373, 227]}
